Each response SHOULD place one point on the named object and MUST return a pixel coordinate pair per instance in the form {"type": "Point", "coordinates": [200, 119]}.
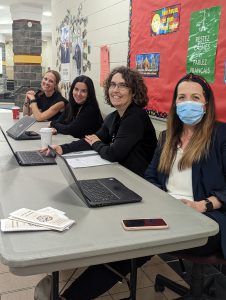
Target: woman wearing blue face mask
{"type": "Point", "coordinates": [190, 159]}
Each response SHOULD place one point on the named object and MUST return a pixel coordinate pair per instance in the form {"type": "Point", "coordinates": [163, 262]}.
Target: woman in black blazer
{"type": "Point", "coordinates": [190, 159]}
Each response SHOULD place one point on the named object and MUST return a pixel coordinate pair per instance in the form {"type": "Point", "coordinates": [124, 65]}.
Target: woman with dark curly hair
{"type": "Point", "coordinates": [127, 135]}
{"type": "Point", "coordinates": [82, 115]}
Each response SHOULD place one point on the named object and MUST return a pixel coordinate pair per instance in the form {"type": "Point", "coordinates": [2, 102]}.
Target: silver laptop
{"type": "Point", "coordinates": [30, 158]}
{"type": "Point", "coordinates": [96, 192]}
{"type": "Point", "coordinates": [19, 130]}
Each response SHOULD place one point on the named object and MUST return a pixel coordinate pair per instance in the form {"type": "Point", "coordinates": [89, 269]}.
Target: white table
{"type": "Point", "coordinates": [98, 236]}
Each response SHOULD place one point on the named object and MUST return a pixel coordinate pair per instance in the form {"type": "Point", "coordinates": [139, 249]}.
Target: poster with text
{"type": "Point", "coordinates": [203, 38]}
{"type": "Point", "coordinates": [165, 20]}
{"type": "Point", "coordinates": [104, 63]}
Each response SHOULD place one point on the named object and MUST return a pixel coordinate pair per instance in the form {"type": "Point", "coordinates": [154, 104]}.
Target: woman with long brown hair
{"type": "Point", "coordinates": [190, 159]}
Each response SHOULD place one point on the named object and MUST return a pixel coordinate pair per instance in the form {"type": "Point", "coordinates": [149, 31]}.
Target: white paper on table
{"type": "Point", "coordinates": [87, 161]}
{"type": "Point", "coordinates": [8, 225]}
{"type": "Point", "coordinates": [50, 209]}
{"type": "Point", "coordinates": [79, 153]}
{"type": "Point", "coordinates": [49, 220]}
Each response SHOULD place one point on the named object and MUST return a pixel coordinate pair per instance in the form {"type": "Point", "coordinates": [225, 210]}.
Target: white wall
{"type": "Point", "coordinates": [47, 54]}
{"type": "Point", "coordinates": [108, 22]}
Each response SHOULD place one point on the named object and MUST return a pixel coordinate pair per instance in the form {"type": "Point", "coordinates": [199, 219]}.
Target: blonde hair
{"type": "Point", "coordinates": [199, 144]}
{"type": "Point", "coordinates": [57, 77]}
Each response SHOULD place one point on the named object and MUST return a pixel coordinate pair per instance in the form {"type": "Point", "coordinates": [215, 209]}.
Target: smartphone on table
{"type": "Point", "coordinates": [140, 224]}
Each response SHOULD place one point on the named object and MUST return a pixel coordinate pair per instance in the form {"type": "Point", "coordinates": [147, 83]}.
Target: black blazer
{"type": "Point", "coordinates": [208, 176]}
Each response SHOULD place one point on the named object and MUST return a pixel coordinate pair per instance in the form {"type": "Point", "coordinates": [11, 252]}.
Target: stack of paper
{"type": "Point", "coordinates": [26, 219]}
{"type": "Point", "coordinates": [84, 159]}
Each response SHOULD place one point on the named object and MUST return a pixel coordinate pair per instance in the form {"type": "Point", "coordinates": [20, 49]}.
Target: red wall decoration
{"type": "Point", "coordinates": [160, 52]}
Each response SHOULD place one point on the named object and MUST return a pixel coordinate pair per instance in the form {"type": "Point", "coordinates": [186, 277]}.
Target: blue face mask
{"type": "Point", "coordinates": [190, 112]}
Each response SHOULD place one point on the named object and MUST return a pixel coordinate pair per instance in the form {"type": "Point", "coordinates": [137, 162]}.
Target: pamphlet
{"type": "Point", "coordinates": [47, 218]}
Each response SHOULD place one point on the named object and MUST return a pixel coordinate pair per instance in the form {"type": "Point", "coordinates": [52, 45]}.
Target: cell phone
{"type": "Point", "coordinates": [31, 133]}
{"type": "Point", "coordinates": [140, 224]}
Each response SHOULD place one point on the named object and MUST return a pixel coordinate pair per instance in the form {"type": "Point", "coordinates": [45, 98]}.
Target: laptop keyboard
{"type": "Point", "coordinates": [31, 157]}
{"type": "Point", "coordinates": [96, 191]}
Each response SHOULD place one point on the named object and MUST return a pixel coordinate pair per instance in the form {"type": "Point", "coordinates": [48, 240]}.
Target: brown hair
{"type": "Point", "coordinates": [134, 81]}
{"type": "Point", "coordinates": [198, 145]}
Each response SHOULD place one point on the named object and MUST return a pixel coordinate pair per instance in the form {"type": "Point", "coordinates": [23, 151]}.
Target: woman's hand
{"type": "Point", "coordinates": [30, 95]}
{"type": "Point", "coordinates": [47, 151]}
{"type": "Point", "coordinates": [91, 139]}
{"type": "Point", "coordinates": [54, 131]}
{"type": "Point", "coordinates": [197, 205]}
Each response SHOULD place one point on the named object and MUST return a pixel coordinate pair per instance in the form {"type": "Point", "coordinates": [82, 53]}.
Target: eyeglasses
{"type": "Point", "coordinates": [121, 86]}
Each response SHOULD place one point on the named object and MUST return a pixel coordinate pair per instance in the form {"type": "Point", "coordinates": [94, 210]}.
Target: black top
{"type": "Point", "coordinates": [130, 140]}
{"type": "Point", "coordinates": [87, 120]}
{"type": "Point", "coordinates": [208, 176]}
{"type": "Point", "coordinates": [44, 102]}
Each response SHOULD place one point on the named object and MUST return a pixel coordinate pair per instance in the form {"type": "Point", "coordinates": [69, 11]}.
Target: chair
{"type": "Point", "coordinates": [197, 290]}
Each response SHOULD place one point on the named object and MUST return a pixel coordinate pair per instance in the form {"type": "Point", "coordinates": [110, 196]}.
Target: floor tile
{"type": "Point", "coordinates": [27, 294]}
{"type": "Point", "coordinates": [10, 282]}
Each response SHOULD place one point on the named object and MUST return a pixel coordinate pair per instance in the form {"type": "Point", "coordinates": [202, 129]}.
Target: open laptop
{"type": "Point", "coordinates": [96, 192]}
{"type": "Point", "coordinates": [30, 158]}
{"type": "Point", "coordinates": [19, 130]}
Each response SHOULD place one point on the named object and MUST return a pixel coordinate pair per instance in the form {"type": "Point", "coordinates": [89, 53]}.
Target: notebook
{"type": "Point", "coordinates": [19, 130]}
{"type": "Point", "coordinates": [30, 158]}
{"type": "Point", "coordinates": [96, 192]}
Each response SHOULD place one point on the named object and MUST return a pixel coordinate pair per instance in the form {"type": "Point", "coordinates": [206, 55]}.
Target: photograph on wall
{"type": "Point", "coordinates": [65, 44]}
{"type": "Point", "coordinates": [203, 38]}
{"type": "Point", "coordinates": [148, 64]}
{"type": "Point", "coordinates": [165, 20]}
{"type": "Point", "coordinates": [77, 50]}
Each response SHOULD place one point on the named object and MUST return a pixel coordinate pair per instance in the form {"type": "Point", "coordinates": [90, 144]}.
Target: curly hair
{"type": "Point", "coordinates": [135, 83]}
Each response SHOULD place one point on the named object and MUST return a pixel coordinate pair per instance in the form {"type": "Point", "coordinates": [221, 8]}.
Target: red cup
{"type": "Point", "coordinates": [16, 112]}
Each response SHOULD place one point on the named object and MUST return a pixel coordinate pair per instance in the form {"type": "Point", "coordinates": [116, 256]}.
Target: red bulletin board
{"type": "Point", "coordinates": [172, 49]}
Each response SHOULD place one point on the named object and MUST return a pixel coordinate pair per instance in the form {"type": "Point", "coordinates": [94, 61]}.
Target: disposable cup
{"type": "Point", "coordinates": [16, 112]}
{"type": "Point", "coordinates": [46, 137]}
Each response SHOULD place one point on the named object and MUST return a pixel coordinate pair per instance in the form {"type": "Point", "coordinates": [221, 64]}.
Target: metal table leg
{"type": "Point", "coordinates": [133, 279]}
{"type": "Point", "coordinates": [55, 285]}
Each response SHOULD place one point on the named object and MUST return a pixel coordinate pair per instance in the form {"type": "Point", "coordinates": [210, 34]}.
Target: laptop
{"type": "Point", "coordinates": [30, 158]}
{"type": "Point", "coordinates": [19, 130]}
{"type": "Point", "coordinates": [96, 192]}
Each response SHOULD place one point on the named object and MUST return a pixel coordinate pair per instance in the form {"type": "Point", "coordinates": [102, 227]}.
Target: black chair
{"type": "Point", "coordinates": [198, 290]}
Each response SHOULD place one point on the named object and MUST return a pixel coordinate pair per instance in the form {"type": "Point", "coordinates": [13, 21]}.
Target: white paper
{"type": "Point", "coordinates": [14, 225]}
{"type": "Point", "coordinates": [87, 161]}
{"type": "Point", "coordinates": [79, 153]}
{"type": "Point", "coordinates": [45, 219]}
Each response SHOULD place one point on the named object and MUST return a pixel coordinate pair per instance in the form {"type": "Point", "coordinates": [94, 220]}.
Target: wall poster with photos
{"type": "Point", "coordinates": [73, 49]}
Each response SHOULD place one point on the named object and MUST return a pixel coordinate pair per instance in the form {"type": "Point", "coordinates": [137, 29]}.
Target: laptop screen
{"type": "Point", "coordinates": [21, 126]}
{"type": "Point", "coordinates": [8, 143]}
{"type": "Point", "coordinates": [68, 174]}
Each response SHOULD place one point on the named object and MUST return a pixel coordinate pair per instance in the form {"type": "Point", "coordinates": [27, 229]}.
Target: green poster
{"type": "Point", "coordinates": [204, 27]}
